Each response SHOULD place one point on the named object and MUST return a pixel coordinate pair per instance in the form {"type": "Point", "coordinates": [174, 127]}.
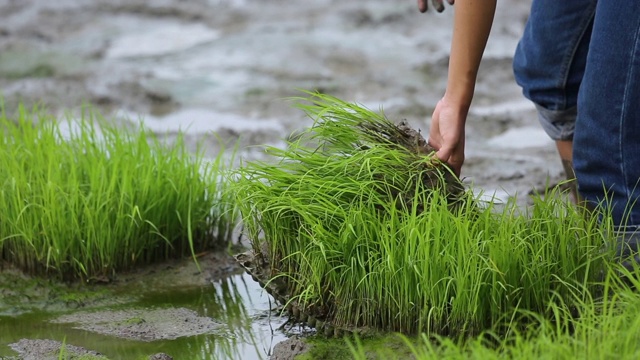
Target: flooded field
{"type": "Point", "coordinates": [175, 309]}
{"type": "Point", "coordinates": [222, 71]}
{"type": "Point", "coordinates": [229, 66]}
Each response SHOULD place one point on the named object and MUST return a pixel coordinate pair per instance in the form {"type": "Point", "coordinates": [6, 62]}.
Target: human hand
{"type": "Point", "coordinates": [437, 4]}
{"type": "Point", "coordinates": [447, 133]}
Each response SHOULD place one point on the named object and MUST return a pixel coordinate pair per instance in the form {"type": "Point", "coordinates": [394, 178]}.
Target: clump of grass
{"type": "Point", "coordinates": [364, 241]}
{"type": "Point", "coordinates": [596, 328]}
{"type": "Point", "coordinates": [100, 198]}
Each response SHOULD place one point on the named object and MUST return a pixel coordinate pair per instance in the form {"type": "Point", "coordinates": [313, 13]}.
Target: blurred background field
{"type": "Point", "coordinates": [225, 66]}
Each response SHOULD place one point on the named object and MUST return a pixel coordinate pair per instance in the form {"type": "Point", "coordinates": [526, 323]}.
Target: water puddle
{"type": "Point", "coordinates": [165, 39]}
{"type": "Point", "coordinates": [202, 121]}
{"type": "Point", "coordinates": [521, 138]}
{"type": "Point", "coordinates": [232, 319]}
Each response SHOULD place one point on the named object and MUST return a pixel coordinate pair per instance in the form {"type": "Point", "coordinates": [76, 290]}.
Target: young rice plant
{"type": "Point", "coordinates": [606, 327]}
{"type": "Point", "coordinates": [99, 198]}
{"type": "Point", "coordinates": [364, 241]}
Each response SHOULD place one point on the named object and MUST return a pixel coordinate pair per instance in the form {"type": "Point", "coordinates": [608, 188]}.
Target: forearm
{"type": "Point", "coordinates": [472, 24]}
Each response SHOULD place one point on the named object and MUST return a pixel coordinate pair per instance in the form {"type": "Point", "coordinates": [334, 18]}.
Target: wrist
{"type": "Point", "coordinates": [460, 89]}
{"type": "Point", "coordinates": [458, 101]}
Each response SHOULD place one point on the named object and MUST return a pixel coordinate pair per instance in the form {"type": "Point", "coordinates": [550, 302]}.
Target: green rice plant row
{"type": "Point", "coordinates": [98, 199]}
{"type": "Point", "coordinates": [606, 327]}
{"type": "Point", "coordinates": [361, 241]}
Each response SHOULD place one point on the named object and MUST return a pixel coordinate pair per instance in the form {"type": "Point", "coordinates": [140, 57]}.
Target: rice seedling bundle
{"type": "Point", "coordinates": [354, 226]}
{"type": "Point", "coordinates": [100, 198]}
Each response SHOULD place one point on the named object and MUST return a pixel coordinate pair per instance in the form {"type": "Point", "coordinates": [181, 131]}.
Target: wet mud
{"type": "Point", "coordinates": [222, 72]}
{"type": "Point", "coordinates": [227, 67]}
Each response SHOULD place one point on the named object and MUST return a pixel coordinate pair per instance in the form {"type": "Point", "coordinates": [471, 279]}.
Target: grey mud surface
{"type": "Point", "coordinates": [220, 70]}
{"type": "Point", "coordinates": [50, 350]}
{"type": "Point", "coordinates": [143, 324]}
{"type": "Point", "coordinates": [289, 349]}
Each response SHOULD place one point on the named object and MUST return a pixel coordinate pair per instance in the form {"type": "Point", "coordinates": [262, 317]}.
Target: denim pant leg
{"type": "Point", "coordinates": [550, 59]}
{"type": "Point", "coordinates": [607, 137]}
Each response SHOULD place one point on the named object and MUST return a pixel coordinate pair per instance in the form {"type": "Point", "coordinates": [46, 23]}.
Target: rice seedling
{"type": "Point", "coordinates": [100, 198]}
{"type": "Point", "coordinates": [602, 328]}
{"type": "Point", "coordinates": [365, 230]}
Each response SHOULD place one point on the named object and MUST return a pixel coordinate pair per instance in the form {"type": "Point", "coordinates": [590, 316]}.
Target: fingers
{"type": "Point", "coordinates": [447, 151]}
{"type": "Point", "coordinates": [435, 139]}
{"type": "Point", "coordinates": [449, 156]}
{"type": "Point", "coordinates": [444, 153]}
{"type": "Point", "coordinates": [438, 5]}
{"type": "Point", "coordinates": [422, 5]}
{"type": "Point", "coordinates": [454, 162]}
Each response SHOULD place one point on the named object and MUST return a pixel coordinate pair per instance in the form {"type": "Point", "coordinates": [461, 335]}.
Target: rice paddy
{"type": "Point", "coordinates": [362, 241]}
{"type": "Point", "coordinates": [96, 199]}
{"type": "Point", "coordinates": [359, 223]}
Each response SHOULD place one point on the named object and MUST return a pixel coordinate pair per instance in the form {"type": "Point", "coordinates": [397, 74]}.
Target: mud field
{"type": "Point", "coordinates": [221, 70]}
{"type": "Point", "coordinates": [226, 66]}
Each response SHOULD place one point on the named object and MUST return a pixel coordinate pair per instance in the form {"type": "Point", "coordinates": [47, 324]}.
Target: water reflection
{"type": "Point", "coordinates": [249, 313]}
{"type": "Point", "coordinates": [249, 325]}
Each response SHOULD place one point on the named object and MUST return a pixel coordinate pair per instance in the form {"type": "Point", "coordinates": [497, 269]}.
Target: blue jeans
{"type": "Point", "coordinates": [579, 62]}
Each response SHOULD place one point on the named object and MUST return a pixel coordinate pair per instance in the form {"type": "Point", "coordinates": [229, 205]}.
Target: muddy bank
{"type": "Point", "coordinates": [50, 295]}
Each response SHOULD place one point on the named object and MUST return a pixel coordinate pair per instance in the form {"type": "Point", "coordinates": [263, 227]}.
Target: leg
{"type": "Point", "coordinates": [549, 65]}
{"type": "Point", "coordinates": [607, 137]}
{"type": "Point", "coordinates": [565, 150]}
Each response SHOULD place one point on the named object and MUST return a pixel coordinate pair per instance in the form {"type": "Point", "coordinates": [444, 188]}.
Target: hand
{"type": "Point", "coordinates": [438, 4]}
{"type": "Point", "coordinates": [447, 133]}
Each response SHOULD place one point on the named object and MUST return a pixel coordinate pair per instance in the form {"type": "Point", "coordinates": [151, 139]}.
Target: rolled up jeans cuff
{"type": "Point", "coordinates": [558, 124]}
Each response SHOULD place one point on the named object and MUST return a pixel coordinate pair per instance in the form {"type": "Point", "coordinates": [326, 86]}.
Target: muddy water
{"type": "Point", "coordinates": [220, 71]}
{"type": "Point", "coordinates": [214, 314]}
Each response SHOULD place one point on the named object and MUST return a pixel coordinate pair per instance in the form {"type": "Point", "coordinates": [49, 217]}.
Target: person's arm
{"type": "Point", "coordinates": [472, 24]}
